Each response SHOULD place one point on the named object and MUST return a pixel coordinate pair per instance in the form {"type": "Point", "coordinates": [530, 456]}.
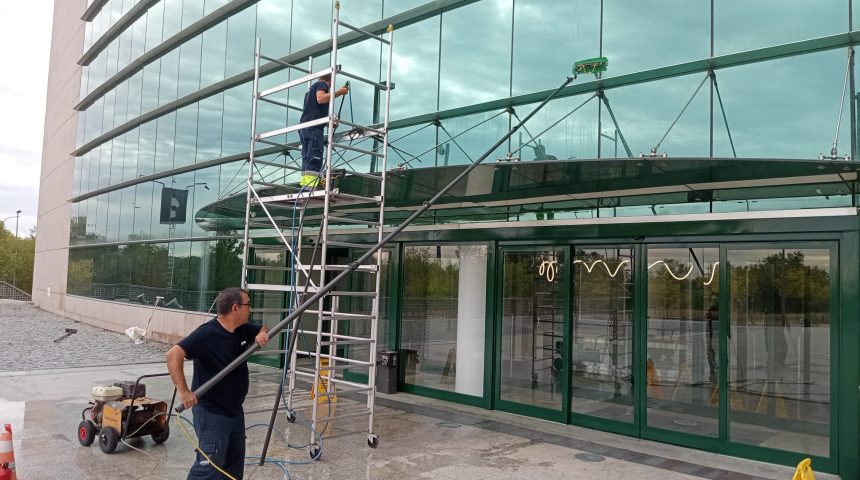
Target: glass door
{"type": "Point", "coordinates": [602, 333]}
{"type": "Point", "coordinates": [779, 353]}
{"type": "Point", "coordinates": [682, 348]}
{"type": "Point", "coordinates": [531, 363]}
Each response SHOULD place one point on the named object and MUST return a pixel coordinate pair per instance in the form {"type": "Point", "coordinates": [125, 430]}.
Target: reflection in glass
{"type": "Point", "coordinates": [415, 69]}
{"type": "Point", "coordinates": [646, 111]}
{"type": "Point", "coordinates": [444, 298]}
{"type": "Point", "coordinates": [683, 340]}
{"type": "Point", "coordinates": [463, 139]}
{"type": "Point", "coordinates": [740, 26]}
{"type": "Point", "coordinates": [240, 41]}
{"type": "Point", "coordinates": [783, 86]}
{"type": "Point", "coordinates": [779, 349]}
{"type": "Point", "coordinates": [602, 350]}
{"type": "Point", "coordinates": [213, 55]}
{"type": "Point", "coordinates": [639, 35]}
{"type": "Point", "coordinates": [366, 282]}
{"type": "Point", "coordinates": [537, 62]}
{"type": "Point", "coordinates": [476, 71]}
{"type": "Point", "coordinates": [532, 328]}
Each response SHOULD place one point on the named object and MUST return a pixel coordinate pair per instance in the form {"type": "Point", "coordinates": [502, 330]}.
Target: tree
{"type": "Point", "coordinates": [16, 259]}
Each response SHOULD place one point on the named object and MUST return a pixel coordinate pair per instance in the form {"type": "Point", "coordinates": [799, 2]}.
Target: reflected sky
{"type": "Point", "coordinates": [480, 52]}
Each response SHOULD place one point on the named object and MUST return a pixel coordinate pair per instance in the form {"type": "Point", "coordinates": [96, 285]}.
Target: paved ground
{"type": "Point", "coordinates": [29, 335]}
{"type": "Point", "coordinates": [419, 437]}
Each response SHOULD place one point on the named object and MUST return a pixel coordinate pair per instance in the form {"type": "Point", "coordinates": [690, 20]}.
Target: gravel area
{"type": "Point", "coordinates": [31, 339]}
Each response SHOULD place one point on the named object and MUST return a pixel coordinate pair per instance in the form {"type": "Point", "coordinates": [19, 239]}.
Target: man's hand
{"type": "Point", "coordinates": [263, 337]}
{"type": "Point", "coordinates": [188, 399]}
{"type": "Point", "coordinates": [342, 91]}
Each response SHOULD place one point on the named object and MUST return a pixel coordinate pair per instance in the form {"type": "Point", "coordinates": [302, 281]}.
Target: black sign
{"type": "Point", "coordinates": [174, 202]}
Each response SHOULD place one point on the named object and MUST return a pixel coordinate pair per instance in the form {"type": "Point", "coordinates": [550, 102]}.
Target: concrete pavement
{"type": "Point", "coordinates": [419, 437]}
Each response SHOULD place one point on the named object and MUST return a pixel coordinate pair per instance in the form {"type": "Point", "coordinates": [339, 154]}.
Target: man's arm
{"type": "Point", "coordinates": [176, 367]}
{"type": "Point", "coordinates": [325, 97]}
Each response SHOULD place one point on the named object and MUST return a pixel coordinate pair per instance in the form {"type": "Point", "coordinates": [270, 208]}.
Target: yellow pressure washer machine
{"type": "Point", "coordinates": [122, 411]}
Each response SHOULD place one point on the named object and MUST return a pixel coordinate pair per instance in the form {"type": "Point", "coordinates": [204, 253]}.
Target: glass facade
{"type": "Point", "coordinates": [733, 341]}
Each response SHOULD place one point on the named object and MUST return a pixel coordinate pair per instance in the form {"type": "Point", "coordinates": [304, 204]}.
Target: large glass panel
{"type": "Point", "coordinates": [210, 6]}
{"type": "Point", "coordinates": [532, 328]}
{"type": "Point", "coordinates": [366, 282]}
{"type": "Point", "coordinates": [135, 89]}
{"type": "Point", "coordinates": [237, 125]}
{"type": "Point", "coordinates": [463, 139]}
{"type": "Point", "coordinates": [393, 7]}
{"type": "Point", "coordinates": [149, 99]}
{"type": "Point", "coordinates": [189, 66]}
{"type": "Point", "coordinates": [780, 356]}
{"type": "Point", "coordinates": [146, 149]}
{"type": "Point", "coordinates": [192, 10]}
{"type": "Point", "coordinates": [213, 55]}
{"type": "Point", "coordinates": [172, 17]}
{"type": "Point", "coordinates": [573, 135]}
{"type": "Point", "coordinates": [144, 208]}
{"type": "Point", "coordinates": [444, 298]}
{"type": "Point", "coordinates": [652, 33]}
{"type": "Point", "coordinates": [138, 37]}
{"type": "Point", "coordinates": [209, 133]}
{"type": "Point", "coordinates": [205, 192]}
{"type": "Point", "coordinates": [413, 146]}
{"type": "Point", "coordinates": [240, 41]}
{"type": "Point", "coordinates": [415, 69]}
{"type": "Point", "coordinates": [476, 71]}
{"type": "Point", "coordinates": [602, 350]}
{"type": "Point", "coordinates": [781, 89]}
{"type": "Point", "coordinates": [164, 142]}
{"type": "Point", "coordinates": [273, 27]}
{"type": "Point", "coordinates": [154, 25]}
{"type": "Point", "coordinates": [186, 136]}
{"type": "Point", "coordinates": [314, 25]}
{"type": "Point", "coordinates": [683, 340]}
{"type": "Point", "coordinates": [740, 26]}
{"type": "Point", "coordinates": [645, 113]}
{"type": "Point", "coordinates": [169, 81]}
{"type": "Point", "coordinates": [537, 63]}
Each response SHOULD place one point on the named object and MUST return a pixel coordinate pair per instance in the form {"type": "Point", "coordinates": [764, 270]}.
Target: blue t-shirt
{"type": "Point", "coordinates": [212, 348]}
{"type": "Point", "coordinates": [313, 109]}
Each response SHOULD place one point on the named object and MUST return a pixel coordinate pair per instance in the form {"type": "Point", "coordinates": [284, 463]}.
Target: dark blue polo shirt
{"type": "Point", "coordinates": [212, 348]}
{"type": "Point", "coordinates": [313, 110]}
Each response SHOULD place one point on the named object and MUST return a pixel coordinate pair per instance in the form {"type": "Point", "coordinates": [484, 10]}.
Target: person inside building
{"type": "Point", "coordinates": [219, 419]}
{"type": "Point", "coordinates": [316, 103]}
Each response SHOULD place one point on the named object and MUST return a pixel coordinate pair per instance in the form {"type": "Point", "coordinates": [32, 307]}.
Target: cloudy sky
{"type": "Point", "coordinates": [25, 40]}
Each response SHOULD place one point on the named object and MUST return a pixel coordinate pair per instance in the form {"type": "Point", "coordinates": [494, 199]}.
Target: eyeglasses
{"type": "Point", "coordinates": [244, 304]}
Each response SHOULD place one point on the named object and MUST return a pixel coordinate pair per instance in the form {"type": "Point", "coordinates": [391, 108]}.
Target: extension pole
{"type": "Point", "coordinates": [296, 314]}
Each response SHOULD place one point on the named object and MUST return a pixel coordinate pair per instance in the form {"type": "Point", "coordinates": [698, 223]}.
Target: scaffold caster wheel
{"type": "Point", "coordinates": [291, 417]}
{"type": "Point", "coordinates": [372, 440]}
{"type": "Point", "coordinates": [314, 451]}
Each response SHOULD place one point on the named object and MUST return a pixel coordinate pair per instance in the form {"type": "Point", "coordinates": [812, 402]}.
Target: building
{"type": "Point", "coordinates": [670, 221]}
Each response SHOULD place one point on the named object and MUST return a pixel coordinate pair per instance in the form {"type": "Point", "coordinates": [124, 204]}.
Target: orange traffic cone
{"type": "Point", "coordinates": [7, 455]}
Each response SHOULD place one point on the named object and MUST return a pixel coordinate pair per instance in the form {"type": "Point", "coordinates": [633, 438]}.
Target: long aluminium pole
{"type": "Point", "coordinates": [296, 314]}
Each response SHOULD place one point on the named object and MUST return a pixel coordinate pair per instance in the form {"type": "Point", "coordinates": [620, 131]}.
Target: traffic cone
{"type": "Point", "coordinates": [7, 455]}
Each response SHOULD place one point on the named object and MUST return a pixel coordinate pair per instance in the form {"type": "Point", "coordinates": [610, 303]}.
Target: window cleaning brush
{"type": "Point", "coordinates": [592, 65]}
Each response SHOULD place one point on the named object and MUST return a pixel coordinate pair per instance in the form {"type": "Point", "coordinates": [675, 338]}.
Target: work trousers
{"type": "Point", "coordinates": [222, 438]}
{"type": "Point", "coordinates": [312, 150]}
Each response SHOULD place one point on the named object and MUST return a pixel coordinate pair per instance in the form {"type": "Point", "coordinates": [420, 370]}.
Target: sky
{"type": "Point", "coordinates": [25, 42]}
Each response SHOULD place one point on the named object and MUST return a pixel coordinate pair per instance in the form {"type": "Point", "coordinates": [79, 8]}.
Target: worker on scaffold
{"type": "Point", "coordinates": [316, 103]}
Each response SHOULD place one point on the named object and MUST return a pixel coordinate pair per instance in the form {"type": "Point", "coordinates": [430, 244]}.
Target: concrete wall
{"type": "Point", "coordinates": [61, 124]}
{"type": "Point", "coordinates": [167, 325]}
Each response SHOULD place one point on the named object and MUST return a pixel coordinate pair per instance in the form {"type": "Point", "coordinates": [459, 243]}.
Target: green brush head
{"type": "Point", "coordinates": [592, 65]}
